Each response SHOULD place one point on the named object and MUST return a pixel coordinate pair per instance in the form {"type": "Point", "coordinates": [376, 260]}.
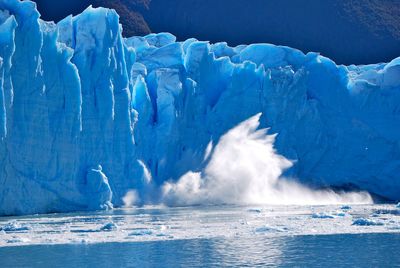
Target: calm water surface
{"type": "Point", "coordinates": [349, 250]}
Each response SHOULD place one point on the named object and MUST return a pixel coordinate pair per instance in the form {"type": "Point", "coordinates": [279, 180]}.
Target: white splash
{"type": "Point", "coordinates": [244, 168]}
{"type": "Point", "coordinates": [131, 198]}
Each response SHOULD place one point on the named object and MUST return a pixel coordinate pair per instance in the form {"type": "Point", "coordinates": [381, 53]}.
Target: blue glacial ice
{"type": "Point", "coordinates": [87, 117]}
{"type": "Point", "coordinates": [366, 222]}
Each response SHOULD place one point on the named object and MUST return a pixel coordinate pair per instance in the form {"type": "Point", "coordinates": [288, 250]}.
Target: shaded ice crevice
{"type": "Point", "coordinates": [76, 96]}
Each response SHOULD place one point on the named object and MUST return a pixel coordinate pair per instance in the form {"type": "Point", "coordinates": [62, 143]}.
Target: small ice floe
{"type": "Point", "coordinates": [162, 227]}
{"type": "Point", "coordinates": [244, 222]}
{"type": "Point", "coordinates": [398, 205]}
{"type": "Point", "coordinates": [345, 207]}
{"type": "Point", "coordinates": [394, 227]}
{"type": "Point", "coordinates": [322, 215]}
{"type": "Point", "coordinates": [340, 214]}
{"type": "Point", "coordinates": [387, 212]}
{"type": "Point", "coordinates": [108, 227]}
{"type": "Point", "coordinates": [266, 229]}
{"type": "Point", "coordinates": [161, 235]}
{"type": "Point", "coordinates": [14, 226]}
{"type": "Point", "coordinates": [366, 222]}
{"type": "Point", "coordinates": [141, 232]}
{"type": "Point", "coordinates": [254, 210]}
{"type": "Point", "coordinates": [18, 240]}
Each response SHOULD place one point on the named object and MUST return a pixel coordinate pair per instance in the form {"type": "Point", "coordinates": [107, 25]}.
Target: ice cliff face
{"type": "Point", "coordinates": [86, 116]}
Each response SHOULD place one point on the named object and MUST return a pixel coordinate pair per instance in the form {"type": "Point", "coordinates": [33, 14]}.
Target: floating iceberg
{"type": "Point", "coordinates": [322, 215]}
{"type": "Point", "coordinates": [87, 116]}
{"type": "Point", "coordinates": [366, 222]}
{"type": "Point", "coordinates": [108, 227]}
{"type": "Point", "coordinates": [14, 226]}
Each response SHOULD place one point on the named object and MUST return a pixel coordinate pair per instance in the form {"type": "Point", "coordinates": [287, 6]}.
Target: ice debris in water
{"type": "Point", "coordinates": [322, 215]}
{"type": "Point", "coordinates": [14, 226]}
{"type": "Point", "coordinates": [18, 240]}
{"type": "Point", "coordinates": [141, 232]}
{"type": "Point", "coordinates": [110, 226]}
{"type": "Point", "coordinates": [162, 227]}
{"type": "Point", "coordinates": [340, 214]}
{"type": "Point", "coordinates": [345, 207]}
{"type": "Point", "coordinates": [366, 222]}
{"type": "Point", "coordinates": [266, 228]}
{"type": "Point", "coordinates": [386, 211]}
{"type": "Point", "coordinates": [255, 210]}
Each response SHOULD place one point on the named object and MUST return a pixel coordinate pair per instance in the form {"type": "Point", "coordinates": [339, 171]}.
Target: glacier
{"type": "Point", "coordinates": [88, 116]}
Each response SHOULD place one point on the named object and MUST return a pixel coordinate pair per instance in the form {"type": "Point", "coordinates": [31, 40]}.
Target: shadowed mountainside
{"type": "Point", "coordinates": [130, 13]}
{"type": "Point", "coordinates": [357, 31]}
{"type": "Point", "coordinates": [354, 31]}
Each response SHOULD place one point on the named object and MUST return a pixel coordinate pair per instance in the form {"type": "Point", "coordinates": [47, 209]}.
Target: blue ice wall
{"type": "Point", "coordinates": [86, 116]}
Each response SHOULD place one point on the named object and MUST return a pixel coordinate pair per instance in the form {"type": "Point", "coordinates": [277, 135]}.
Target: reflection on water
{"type": "Point", "coordinates": [360, 250]}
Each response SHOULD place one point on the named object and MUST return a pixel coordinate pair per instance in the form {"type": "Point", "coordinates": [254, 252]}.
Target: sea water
{"type": "Point", "coordinates": [206, 236]}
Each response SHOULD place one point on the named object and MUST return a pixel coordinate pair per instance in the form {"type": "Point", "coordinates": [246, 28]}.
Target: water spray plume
{"type": "Point", "coordinates": [244, 168]}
